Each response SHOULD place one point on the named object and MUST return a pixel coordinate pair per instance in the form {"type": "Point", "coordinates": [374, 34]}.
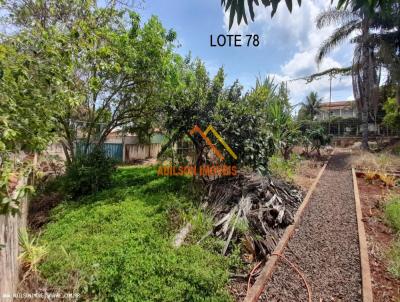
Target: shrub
{"type": "Point", "coordinates": [89, 173]}
{"type": "Point", "coordinates": [392, 116]}
{"type": "Point", "coordinates": [31, 253]}
{"type": "Point", "coordinates": [316, 138]}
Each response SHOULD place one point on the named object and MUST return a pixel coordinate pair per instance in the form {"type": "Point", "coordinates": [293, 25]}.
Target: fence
{"type": "Point", "coordinates": [124, 152]}
{"type": "Point", "coordinates": [351, 127]}
{"type": "Point", "coordinates": [9, 266]}
{"type": "Point", "coordinates": [112, 150]}
{"type": "Point", "coordinates": [140, 152]}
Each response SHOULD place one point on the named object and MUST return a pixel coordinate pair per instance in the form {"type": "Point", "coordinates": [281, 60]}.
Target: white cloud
{"type": "Point", "coordinates": [303, 63]}
{"type": "Point", "coordinates": [296, 34]}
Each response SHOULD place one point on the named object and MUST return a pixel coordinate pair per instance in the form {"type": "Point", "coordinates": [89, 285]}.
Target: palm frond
{"type": "Point", "coordinates": [336, 38]}
{"type": "Point", "coordinates": [333, 16]}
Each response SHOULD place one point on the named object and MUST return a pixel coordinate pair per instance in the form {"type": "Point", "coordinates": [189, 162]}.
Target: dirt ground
{"type": "Point", "coordinates": [325, 246]}
{"type": "Point", "coordinates": [385, 287]}
{"type": "Point", "coordinates": [307, 172]}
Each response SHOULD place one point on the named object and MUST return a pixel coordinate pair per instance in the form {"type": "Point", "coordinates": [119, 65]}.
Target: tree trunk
{"type": "Point", "coordinates": [364, 126]}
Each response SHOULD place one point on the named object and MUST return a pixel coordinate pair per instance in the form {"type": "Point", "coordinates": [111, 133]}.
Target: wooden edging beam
{"type": "Point", "coordinates": [256, 290]}
{"type": "Point", "coordinates": [367, 295]}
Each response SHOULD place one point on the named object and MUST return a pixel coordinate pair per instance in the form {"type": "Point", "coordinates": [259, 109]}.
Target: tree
{"type": "Point", "coordinates": [386, 37]}
{"type": "Point", "coordinates": [197, 100]}
{"type": "Point", "coordinates": [365, 67]}
{"type": "Point", "coordinates": [392, 114]}
{"type": "Point", "coordinates": [34, 88]}
{"type": "Point", "coordinates": [118, 65]}
{"type": "Point", "coordinates": [312, 105]}
{"type": "Point", "coordinates": [274, 106]}
{"type": "Point", "coordinates": [122, 70]}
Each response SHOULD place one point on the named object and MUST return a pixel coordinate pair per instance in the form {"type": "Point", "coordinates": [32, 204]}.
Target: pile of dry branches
{"type": "Point", "coordinates": [252, 208]}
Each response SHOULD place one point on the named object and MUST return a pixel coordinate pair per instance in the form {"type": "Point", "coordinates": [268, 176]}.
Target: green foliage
{"type": "Point", "coordinates": [11, 192]}
{"type": "Point", "coordinates": [237, 7]}
{"type": "Point", "coordinates": [392, 114]}
{"type": "Point", "coordinates": [285, 132]}
{"type": "Point", "coordinates": [253, 125]}
{"type": "Point", "coordinates": [314, 139]}
{"type": "Point", "coordinates": [392, 212]}
{"type": "Point", "coordinates": [284, 169]}
{"type": "Point", "coordinates": [31, 252]}
{"type": "Point", "coordinates": [81, 64]}
{"type": "Point", "coordinates": [34, 89]}
{"type": "Point", "coordinates": [88, 173]}
{"type": "Point", "coordinates": [116, 245]}
{"type": "Point", "coordinates": [198, 100]}
{"type": "Point", "coordinates": [310, 108]}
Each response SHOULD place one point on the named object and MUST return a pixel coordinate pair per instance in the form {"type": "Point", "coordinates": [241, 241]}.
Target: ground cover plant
{"type": "Point", "coordinates": [392, 215]}
{"type": "Point", "coordinates": [116, 244]}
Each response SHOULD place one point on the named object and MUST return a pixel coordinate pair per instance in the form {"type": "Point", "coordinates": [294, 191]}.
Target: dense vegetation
{"type": "Point", "coordinates": [81, 69]}
{"type": "Point", "coordinates": [117, 244]}
{"type": "Point", "coordinates": [88, 173]}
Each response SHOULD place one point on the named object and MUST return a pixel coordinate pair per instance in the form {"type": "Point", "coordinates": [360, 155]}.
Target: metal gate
{"type": "Point", "coordinates": [111, 150]}
{"type": "Point", "coordinates": [114, 151]}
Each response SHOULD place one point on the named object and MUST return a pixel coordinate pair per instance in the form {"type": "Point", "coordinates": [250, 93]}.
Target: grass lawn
{"type": "Point", "coordinates": [116, 245]}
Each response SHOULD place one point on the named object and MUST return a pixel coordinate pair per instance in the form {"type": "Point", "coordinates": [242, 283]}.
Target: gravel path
{"type": "Point", "coordinates": [325, 246]}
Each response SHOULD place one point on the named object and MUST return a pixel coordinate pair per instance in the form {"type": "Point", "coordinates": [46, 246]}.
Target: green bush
{"type": "Point", "coordinates": [392, 212]}
{"type": "Point", "coordinates": [88, 173]}
{"type": "Point", "coordinates": [392, 116]}
{"type": "Point", "coordinates": [315, 138]}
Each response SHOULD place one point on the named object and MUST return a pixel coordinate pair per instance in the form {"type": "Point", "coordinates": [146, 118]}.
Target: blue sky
{"type": "Point", "coordinates": [288, 43]}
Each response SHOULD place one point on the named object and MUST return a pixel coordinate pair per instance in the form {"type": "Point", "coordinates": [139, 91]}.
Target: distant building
{"type": "Point", "coordinates": [343, 109]}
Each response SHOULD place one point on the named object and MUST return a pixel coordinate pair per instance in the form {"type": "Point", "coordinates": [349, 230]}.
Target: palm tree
{"type": "Point", "coordinates": [365, 68]}
{"type": "Point", "coordinates": [312, 104]}
{"type": "Point", "coordinates": [387, 39]}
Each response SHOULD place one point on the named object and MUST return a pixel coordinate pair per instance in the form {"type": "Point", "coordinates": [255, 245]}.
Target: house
{"type": "Point", "coordinates": [343, 109]}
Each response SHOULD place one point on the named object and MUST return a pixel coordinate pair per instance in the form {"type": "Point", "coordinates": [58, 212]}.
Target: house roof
{"type": "Point", "coordinates": [337, 104]}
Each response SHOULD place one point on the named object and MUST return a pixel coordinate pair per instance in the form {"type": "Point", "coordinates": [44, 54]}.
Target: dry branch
{"type": "Point", "coordinates": [264, 206]}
